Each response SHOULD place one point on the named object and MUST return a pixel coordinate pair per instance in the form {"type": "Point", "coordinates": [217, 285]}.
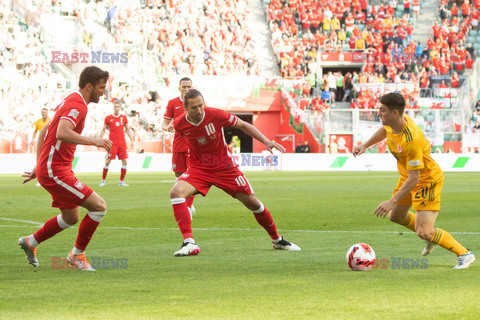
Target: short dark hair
{"type": "Point", "coordinates": [92, 75]}
{"type": "Point", "coordinates": [194, 93]}
{"type": "Point", "coordinates": [185, 79]}
{"type": "Point", "coordinates": [393, 101]}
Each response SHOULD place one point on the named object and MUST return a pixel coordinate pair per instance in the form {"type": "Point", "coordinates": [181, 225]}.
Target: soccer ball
{"type": "Point", "coordinates": [360, 257]}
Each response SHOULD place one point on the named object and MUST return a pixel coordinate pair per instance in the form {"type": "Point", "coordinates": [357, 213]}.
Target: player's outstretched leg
{"type": "Point", "coordinates": [264, 218]}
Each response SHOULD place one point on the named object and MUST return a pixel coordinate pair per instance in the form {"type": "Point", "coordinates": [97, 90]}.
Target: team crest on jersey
{"type": "Point", "coordinates": [202, 141]}
{"type": "Point", "coordinates": [79, 185]}
{"type": "Point", "coordinates": [399, 148]}
{"type": "Point", "coordinates": [73, 113]}
{"type": "Point", "coordinates": [117, 124]}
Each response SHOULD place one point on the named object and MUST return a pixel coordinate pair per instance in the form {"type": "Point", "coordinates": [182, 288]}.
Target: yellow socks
{"type": "Point", "coordinates": [409, 221]}
{"type": "Point", "coordinates": [445, 240]}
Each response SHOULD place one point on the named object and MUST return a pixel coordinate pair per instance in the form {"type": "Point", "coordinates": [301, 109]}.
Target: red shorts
{"type": "Point", "coordinates": [67, 191]}
{"type": "Point", "coordinates": [179, 162]}
{"type": "Point", "coordinates": [230, 180]}
{"type": "Point", "coordinates": [118, 150]}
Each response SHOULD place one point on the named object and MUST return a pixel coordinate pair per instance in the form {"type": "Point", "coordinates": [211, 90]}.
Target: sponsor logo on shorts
{"type": "Point", "coordinates": [79, 185]}
{"type": "Point", "coordinates": [174, 166]}
{"type": "Point", "coordinates": [73, 113]}
{"type": "Point", "coordinates": [184, 175]}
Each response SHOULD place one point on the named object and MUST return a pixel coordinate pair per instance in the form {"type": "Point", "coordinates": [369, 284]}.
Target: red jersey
{"type": "Point", "coordinates": [56, 153]}
{"type": "Point", "coordinates": [116, 125]}
{"type": "Point", "coordinates": [205, 140]}
{"type": "Point", "coordinates": [175, 109]}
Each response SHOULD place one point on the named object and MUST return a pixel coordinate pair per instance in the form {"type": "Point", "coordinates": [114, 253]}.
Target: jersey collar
{"type": "Point", "coordinates": [81, 96]}
{"type": "Point", "coordinates": [194, 124]}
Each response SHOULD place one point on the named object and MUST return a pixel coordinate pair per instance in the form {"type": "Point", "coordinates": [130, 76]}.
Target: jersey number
{"type": "Point", "coordinates": [241, 181]}
{"type": "Point", "coordinates": [427, 191]}
{"type": "Point", "coordinates": [210, 128]}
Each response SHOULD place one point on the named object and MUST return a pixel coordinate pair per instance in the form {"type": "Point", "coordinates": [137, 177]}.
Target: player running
{"type": "Point", "coordinates": [55, 152]}
{"type": "Point", "coordinates": [117, 124]}
{"type": "Point", "coordinates": [210, 164]}
{"type": "Point", "coordinates": [421, 179]}
{"type": "Point", "coordinates": [175, 109]}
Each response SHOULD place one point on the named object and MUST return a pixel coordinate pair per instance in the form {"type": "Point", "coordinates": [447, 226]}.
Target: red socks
{"type": "Point", "coordinates": [189, 201]}
{"type": "Point", "coordinates": [123, 172]}
{"type": "Point", "coordinates": [104, 175]}
{"type": "Point", "coordinates": [85, 232]}
{"type": "Point", "coordinates": [266, 221]}
{"type": "Point", "coordinates": [182, 216]}
{"type": "Point", "coordinates": [50, 228]}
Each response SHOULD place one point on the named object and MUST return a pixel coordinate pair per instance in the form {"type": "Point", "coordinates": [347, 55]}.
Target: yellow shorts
{"type": "Point", "coordinates": [424, 196]}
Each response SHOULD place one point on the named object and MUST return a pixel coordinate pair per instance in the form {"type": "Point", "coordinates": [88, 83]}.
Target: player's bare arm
{"type": "Point", "coordinates": [385, 207]}
{"type": "Point", "coordinates": [66, 134]}
{"type": "Point", "coordinates": [167, 125]}
{"type": "Point", "coordinates": [255, 133]}
{"type": "Point", "coordinates": [378, 136]}
{"type": "Point", "coordinates": [129, 133]}
{"type": "Point", "coordinates": [41, 138]}
{"type": "Point", "coordinates": [33, 136]}
{"type": "Point", "coordinates": [102, 133]}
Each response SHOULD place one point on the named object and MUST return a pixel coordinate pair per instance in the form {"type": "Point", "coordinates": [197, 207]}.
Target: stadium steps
{"type": "Point", "coordinates": [427, 17]}
{"type": "Point", "coordinates": [257, 23]}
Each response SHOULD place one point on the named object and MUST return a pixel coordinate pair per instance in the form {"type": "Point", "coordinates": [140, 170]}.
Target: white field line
{"type": "Point", "coordinates": [38, 224]}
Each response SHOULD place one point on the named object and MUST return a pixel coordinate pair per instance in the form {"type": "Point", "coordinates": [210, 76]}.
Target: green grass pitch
{"type": "Point", "coordinates": [238, 275]}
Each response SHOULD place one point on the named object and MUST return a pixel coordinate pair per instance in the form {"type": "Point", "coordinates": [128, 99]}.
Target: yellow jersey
{"type": "Point", "coordinates": [39, 124]}
{"type": "Point", "coordinates": [412, 151]}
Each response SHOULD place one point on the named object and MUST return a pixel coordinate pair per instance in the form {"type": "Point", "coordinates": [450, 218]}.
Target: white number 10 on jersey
{"type": "Point", "coordinates": [210, 128]}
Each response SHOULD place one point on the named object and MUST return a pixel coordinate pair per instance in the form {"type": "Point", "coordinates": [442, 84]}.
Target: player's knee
{"type": "Point", "coordinates": [394, 218]}
{"type": "Point", "coordinates": [425, 234]}
{"type": "Point", "coordinates": [99, 206]}
{"type": "Point", "coordinates": [174, 193]}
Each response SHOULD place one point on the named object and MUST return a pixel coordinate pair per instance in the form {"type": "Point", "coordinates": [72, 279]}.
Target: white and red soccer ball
{"type": "Point", "coordinates": [360, 257]}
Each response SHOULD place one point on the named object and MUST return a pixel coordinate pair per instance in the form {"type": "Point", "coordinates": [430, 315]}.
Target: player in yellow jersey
{"type": "Point", "coordinates": [421, 179]}
{"type": "Point", "coordinates": [40, 123]}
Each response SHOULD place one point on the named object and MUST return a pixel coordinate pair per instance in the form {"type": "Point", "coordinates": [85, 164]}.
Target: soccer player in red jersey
{"type": "Point", "coordinates": [117, 124]}
{"type": "Point", "coordinates": [174, 109]}
{"type": "Point", "coordinates": [55, 152]}
{"type": "Point", "coordinates": [210, 164]}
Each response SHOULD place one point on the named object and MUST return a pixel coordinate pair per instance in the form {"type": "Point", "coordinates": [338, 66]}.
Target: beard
{"type": "Point", "coordinates": [94, 98]}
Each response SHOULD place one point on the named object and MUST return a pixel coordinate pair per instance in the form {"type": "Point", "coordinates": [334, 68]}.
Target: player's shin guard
{"type": "Point", "coordinates": [264, 218]}
{"type": "Point", "coordinates": [123, 172]}
{"type": "Point", "coordinates": [409, 221]}
{"type": "Point", "coordinates": [189, 201]}
{"type": "Point", "coordinates": [182, 216]}
{"type": "Point", "coordinates": [86, 230]}
{"type": "Point", "coordinates": [49, 229]}
{"type": "Point", "coordinates": [445, 240]}
{"type": "Point", "coordinates": [105, 171]}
